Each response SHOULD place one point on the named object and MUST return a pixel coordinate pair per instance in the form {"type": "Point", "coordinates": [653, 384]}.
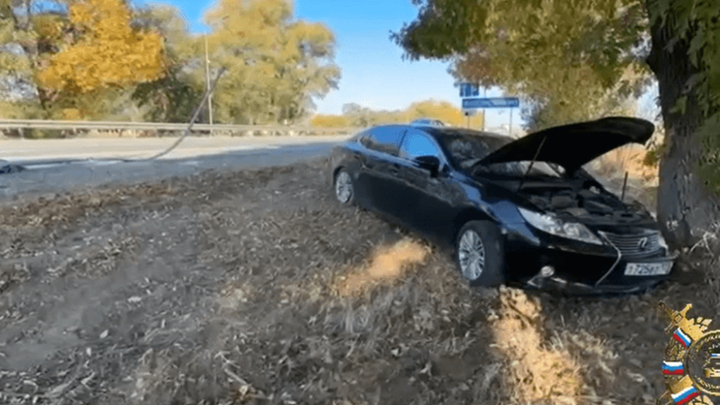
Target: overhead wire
{"type": "Point", "coordinates": [194, 116]}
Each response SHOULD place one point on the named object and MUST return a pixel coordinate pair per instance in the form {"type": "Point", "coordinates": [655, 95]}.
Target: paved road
{"type": "Point", "coordinates": [60, 170]}
{"type": "Point", "coordinates": [25, 151]}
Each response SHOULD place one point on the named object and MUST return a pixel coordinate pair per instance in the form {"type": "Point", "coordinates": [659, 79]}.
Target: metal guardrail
{"type": "Point", "coordinates": [158, 126]}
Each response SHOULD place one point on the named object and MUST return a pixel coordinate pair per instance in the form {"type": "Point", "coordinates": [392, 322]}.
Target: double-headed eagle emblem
{"type": "Point", "coordinates": [691, 364]}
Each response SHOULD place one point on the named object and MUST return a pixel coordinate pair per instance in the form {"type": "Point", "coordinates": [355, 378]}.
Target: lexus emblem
{"type": "Point", "coordinates": [643, 244]}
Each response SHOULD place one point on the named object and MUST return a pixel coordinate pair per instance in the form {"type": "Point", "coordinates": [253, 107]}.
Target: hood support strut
{"type": "Point", "coordinates": [532, 162]}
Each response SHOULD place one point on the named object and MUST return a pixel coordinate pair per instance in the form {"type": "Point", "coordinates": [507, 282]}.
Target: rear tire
{"type": "Point", "coordinates": [479, 254]}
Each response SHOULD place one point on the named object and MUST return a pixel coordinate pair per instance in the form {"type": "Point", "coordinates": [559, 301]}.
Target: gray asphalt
{"type": "Point", "coordinates": [45, 177]}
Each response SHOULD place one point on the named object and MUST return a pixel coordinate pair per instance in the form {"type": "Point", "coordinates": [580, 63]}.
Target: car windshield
{"type": "Point", "coordinates": [467, 150]}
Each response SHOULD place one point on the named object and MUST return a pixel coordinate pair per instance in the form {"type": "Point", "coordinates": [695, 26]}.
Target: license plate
{"type": "Point", "coordinates": [648, 269]}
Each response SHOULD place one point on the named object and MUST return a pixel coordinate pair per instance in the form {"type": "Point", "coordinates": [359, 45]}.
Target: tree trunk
{"type": "Point", "coordinates": [685, 208]}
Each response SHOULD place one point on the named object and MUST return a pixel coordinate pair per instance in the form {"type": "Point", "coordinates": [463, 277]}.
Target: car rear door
{"type": "Point", "coordinates": [381, 168]}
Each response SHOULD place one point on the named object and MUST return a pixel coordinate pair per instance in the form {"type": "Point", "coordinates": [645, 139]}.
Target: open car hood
{"type": "Point", "coordinates": [571, 146]}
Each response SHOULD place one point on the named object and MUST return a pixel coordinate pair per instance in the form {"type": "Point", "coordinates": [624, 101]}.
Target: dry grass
{"type": "Point", "coordinates": [536, 371]}
{"type": "Point", "coordinates": [629, 159]}
{"type": "Point", "coordinates": [642, 181]}
{"type": "Point", "coordinates": [127, 133]}
{"type": "Point", "coordinates": [386, 266]}
{"type": "Point", "coordinates": [54, 209]}
{"type": "Point", "coordinates": [257, 288]}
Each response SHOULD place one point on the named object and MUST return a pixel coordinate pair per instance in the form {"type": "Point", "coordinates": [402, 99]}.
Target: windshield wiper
{"type": "Point", "coordinates": [532, 162]}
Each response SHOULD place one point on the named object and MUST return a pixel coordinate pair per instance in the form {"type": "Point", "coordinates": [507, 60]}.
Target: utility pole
{"type": "Point", "coordinates": [207, 76]}
{"type": "Point", "coordinates": [485, 96]}
{"type": "Point", "coordinates": [511, 122]}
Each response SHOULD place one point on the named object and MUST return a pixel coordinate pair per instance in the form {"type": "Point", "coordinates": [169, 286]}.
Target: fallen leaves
{"type": "Point", "coordinates": [217, 289]}
{"type": "Point", "coordinates": [386, 265]}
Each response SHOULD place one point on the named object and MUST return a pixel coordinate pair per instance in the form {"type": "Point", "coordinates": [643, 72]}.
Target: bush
{"type": "Point", "coordinates": [329, 121]}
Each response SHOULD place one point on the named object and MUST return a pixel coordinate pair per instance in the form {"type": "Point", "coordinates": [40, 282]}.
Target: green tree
{"type": "Point", "coordinates": [275, 65]}
{"type": "Point", "coordinates": [23, 36]}
{"type": "Point", "coordinates": [618, 44]}
{"type": "Point", "coordinates": [443, 111]}
{"type": "Point", "coordinates": [174, 96]}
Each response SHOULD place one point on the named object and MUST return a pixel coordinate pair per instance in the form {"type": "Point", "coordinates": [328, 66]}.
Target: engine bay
{"type": "Point", "coordinates": [582, 199]}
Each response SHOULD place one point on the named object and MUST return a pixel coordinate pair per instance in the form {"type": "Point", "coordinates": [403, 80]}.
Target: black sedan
{"type": "Point", "coordinates": [511, 211]}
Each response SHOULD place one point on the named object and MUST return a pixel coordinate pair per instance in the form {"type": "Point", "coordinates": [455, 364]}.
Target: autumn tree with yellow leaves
{"type": "Point", "coordinates": [80, 57]}
{"type": "Point", "coordinates": [108, 55]}
{"type": "Point", "coordinates": [100, 59]}
{"type": "Point", "coordinates": [358, 116]}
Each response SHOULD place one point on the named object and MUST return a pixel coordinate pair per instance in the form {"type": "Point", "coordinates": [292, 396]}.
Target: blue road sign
{"type": "Point", "coordinates": [495, 102]}
{"type": "Point", "coordinates": [469, 90]}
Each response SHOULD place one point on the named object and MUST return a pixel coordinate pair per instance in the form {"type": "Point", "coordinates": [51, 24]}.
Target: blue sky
{"type": "Point", "coordinates": [373, 72]}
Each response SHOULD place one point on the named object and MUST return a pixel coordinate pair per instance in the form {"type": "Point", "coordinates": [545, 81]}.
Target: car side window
{"type": "Point", "coordinates": [417, 144]}
{"type": "Point", "coordinates": [385, 139]}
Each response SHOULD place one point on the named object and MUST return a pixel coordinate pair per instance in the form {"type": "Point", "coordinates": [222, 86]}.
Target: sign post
{"type": "Point", "coordinates": [493, 102]}
{"type": "Point", "coordinates": [470, 92]}
{"type": "Point", "coordinates": [484, 115]}
{"type": "Point", "coordinates": [511, 122]}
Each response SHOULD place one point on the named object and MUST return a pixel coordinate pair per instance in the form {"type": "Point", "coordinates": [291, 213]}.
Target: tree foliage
{"type": "Point", "coordinates": [101, 59]}
{"type": "Point", "coordinates": [275, 65]}
{"type": "Point", "coordinates": [570, 61]}
{"type": "Point", "coordinates": [358, 116]}
{"type": "Point", "coordinates": [174, 96]}
{"type": "Point", "coordinates": [80, 58]}
{"type": "Point", "coordinates": [108, 52]}
{"type": "Point", "coordinates": [329, 121]}
{"type": "Point", "coordinates": [614, 45]}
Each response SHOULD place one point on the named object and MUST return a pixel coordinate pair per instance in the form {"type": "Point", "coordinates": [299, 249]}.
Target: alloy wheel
{"type": "Point", "coordinates": [471, 255]}
{"type": "Point", "coordinates": [343, 187]}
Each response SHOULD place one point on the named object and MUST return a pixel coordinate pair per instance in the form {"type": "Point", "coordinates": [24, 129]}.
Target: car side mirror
{"type": "Point", "coordinates": [429, 163]}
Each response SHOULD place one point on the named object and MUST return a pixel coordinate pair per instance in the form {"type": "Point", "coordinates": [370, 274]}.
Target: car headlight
{"type": "Point", "coordinates": [555, 226]}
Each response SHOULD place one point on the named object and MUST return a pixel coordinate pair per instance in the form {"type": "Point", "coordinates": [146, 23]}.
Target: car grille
{"type": "Point", "coordinates": [632, 246]}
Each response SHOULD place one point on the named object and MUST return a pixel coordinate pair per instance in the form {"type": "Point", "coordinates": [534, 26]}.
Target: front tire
{"type": "Point", "coordinates": [344, 188]}
{"type": "Point", "coordinates": [479, 254]}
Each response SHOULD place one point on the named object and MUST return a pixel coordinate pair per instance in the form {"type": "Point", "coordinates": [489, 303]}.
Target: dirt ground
{"type": "Point", "coordinates": [256, 287]}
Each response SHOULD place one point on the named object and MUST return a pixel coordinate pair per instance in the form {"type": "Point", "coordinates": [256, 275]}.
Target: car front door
{"type": "Point", "coordinates": [427, 196]}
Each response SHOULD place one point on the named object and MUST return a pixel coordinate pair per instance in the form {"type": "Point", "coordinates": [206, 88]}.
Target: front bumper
{"type": "Point", "coordinates": [574, 288]}
{"type": "Point", "coordinates": [576, 268]}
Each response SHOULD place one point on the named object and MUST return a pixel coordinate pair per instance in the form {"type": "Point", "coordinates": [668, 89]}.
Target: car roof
{"type": "Point", "coordinates": [455, 131]}
{"type": "Point", "coordinates": [444, 131]}
{"type": "Point", "coordinates": [427, 122]}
